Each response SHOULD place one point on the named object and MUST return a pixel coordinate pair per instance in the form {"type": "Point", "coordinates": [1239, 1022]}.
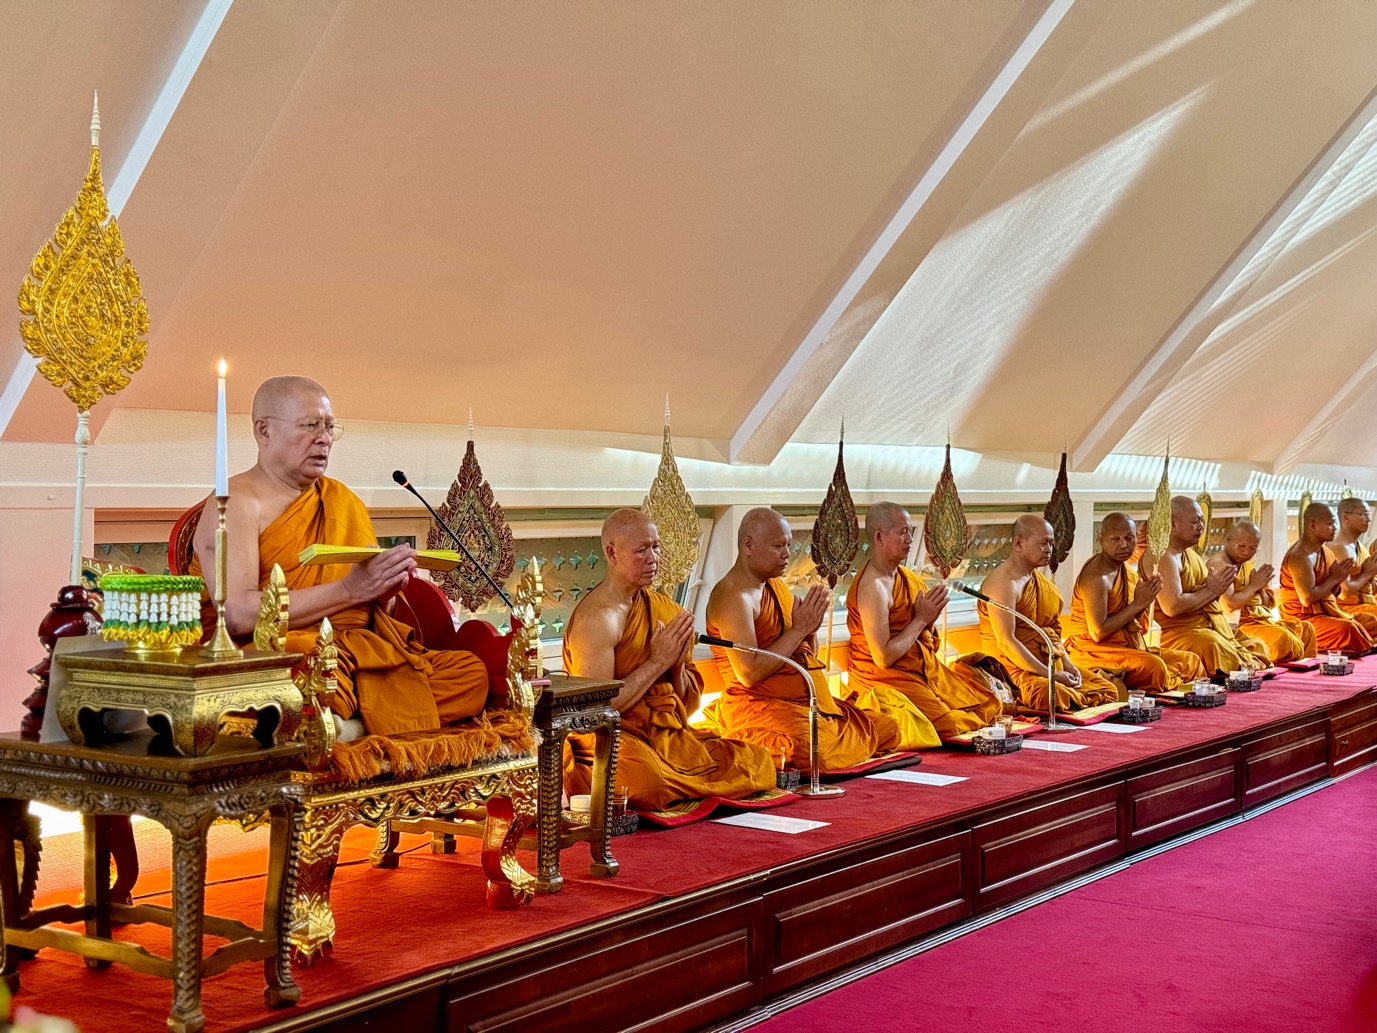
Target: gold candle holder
{"type": "Point", "coordinates": [220, 646]}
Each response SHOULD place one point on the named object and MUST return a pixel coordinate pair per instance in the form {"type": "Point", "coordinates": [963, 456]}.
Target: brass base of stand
{"type": "Point", "coordinates": [808, 790]}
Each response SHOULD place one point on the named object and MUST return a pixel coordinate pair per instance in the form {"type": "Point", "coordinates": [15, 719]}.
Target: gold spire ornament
{"type": "Point", "coordinates": [671, 510]}
{"type": "Point", "coordinates": [1206, 505]}
{"type": "Point", "coordinates": [1347, 492]}
{"type": "Point", "coordinates": [1159, 518]}
{"type": "Point", "coordinates": [479, 521]}
{"type": "Point", "coordinates": [82, 316]}
{"type": "Point", "coordinates": [1062, 516]}
{"type": "Point", "coordinates": [270, 628]}
{"type": "Point", "coordinates": [1255, 507]}
{"type": "Point", "coordinates": [836, 532]}
{"type": "Point", "coordinates": [944, 530]}
{"type": "Point", "coordinates": [1305, 500]}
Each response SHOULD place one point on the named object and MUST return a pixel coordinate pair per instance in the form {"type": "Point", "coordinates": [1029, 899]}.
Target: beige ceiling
{"type": "Point", "coordinates": [557, 212]}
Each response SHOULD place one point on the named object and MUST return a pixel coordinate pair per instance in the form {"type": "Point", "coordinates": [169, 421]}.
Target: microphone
{"type": "Point", "coordinates": [400, 478]}
{"type": "Point", "coordinates": [966, 589]}
{"type": "Point", "coordinates": [713, 640]}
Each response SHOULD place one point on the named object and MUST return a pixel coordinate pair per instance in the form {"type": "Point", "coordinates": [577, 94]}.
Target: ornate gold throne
{"type": "Point", "coordinates": [482, 773]}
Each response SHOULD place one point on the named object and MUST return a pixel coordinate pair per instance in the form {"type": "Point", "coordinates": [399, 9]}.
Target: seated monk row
{"type": "Point", "coordinates": [1254, 601]}
{"type": "Point", "coordinates": [1356, 596]}
{"type": "Point", "coordinates": [1106, 630]}
{"type": "Point", "coordinates": [1311, 582]}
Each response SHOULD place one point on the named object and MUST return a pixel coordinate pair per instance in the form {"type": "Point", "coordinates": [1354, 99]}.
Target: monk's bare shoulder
{"type": "Point", "coordinates": [1217, 561]}
{"type": "Point", "coordinates": [999, 585]}
{"type": "Point", "coordinates": [597, 623]}
{"type": "Point", "coordinates": [727, 593]}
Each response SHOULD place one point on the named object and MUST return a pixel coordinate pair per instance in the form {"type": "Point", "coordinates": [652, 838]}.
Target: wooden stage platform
{"type": "Point", "coordinates": [708, 921]}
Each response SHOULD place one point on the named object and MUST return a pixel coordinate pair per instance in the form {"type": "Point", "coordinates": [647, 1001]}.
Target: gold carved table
{"type": "Point", "coordinates": [180, 691]}
{"type": "Point", "coordinates": [142, 775]}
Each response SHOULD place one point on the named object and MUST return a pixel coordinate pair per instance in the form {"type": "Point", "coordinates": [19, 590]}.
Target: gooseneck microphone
{"type": "Point", "coordinates": [400, 478]}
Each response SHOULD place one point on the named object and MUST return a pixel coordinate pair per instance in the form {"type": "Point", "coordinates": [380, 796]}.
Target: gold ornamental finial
{"type": "Point", "coordinates": [1255, 507]}
{"type": "Point", "coordinates": [470, 423]}
{"type": "Point", "coordinates": [95, 118]}
{"type": "Point", "coordinates": [671, 510]}
{"type": "Point", "coordinates": [1206, 504]}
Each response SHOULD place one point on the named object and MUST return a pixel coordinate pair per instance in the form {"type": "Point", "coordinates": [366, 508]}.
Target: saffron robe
{"type": "Point", "coordinates": [1125, 652]}
{"type": "Point", "coordinates": [1205, 632]}
{"type": "Point", "coordinates": [1334, 629]}
{"type": "Point", "coordinates": [950, 700]}
{"type": "Point", "coordinates": [385, 675]}
{"type": "Point", "coordinates": [774, 712]}
{"type": "Point", "coordinates": [1041, 602]}
{"type": "Point", "coordinates": [1284, 640]}
{"type": "Point", "coordinates": [661, 761]}
{"type": "Point", "coordinates": [1361, 605]}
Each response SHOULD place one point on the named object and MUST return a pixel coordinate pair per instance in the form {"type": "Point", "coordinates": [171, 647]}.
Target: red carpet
{"type": "Point", "coordinates": [1265, 927]}
{"type": "Point", "coordinates": [429, 914]}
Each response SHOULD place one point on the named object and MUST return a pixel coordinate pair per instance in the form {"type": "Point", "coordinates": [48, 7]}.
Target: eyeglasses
{"type": "Point", "coordinates": [315, 427]}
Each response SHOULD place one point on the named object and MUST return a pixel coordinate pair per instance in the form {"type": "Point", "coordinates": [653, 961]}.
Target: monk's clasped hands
{"type": "Point", "coordinates": [669, 642]}
{"type": "Point", "coordinates": [380, 577]}
{"type": "Point", "coordinates": [809, 611]}
{"type": "Point", "coordinates": [928, 606]}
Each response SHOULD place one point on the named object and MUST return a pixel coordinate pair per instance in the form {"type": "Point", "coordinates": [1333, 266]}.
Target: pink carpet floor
{"type": "Point", "coordinates": [1266, 927]}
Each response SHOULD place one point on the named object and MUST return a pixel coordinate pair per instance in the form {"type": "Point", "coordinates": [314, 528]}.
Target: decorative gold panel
{"type": "Point", "coordinates": [671, 509]}
{"type": "Point", "coordinates": [1159, 519]}
{"type": "Point", "coordinates": [944, 531]}
{"type": "Point", "coordinates": [836, 534]}
{"type": "Point", "coordinates": [478, 519]}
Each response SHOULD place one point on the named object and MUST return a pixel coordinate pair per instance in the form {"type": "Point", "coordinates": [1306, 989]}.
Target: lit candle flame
{"type": "Point", "coordinates": [223, 367]}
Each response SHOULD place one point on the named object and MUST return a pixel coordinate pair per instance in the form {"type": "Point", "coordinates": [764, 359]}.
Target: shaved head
{"type": "Point", "coordinates": [1030, 524]}
{"type": "Point", "coordinates": [1118, 522]}
{"type": "Point", "coordinates": [884, 516]}
{"type": "Point", "coordinates": [1352, 505]}
{"type": "Point", "coordinates": [1317, 511]}
{"type": "Point", "coordinates": [1118, 537]}
{"type": "Point", "coordinates": [1241, 541]}
{"type": "Point", "coordinates": [278, 396]}
{"type": "Point", "coordinates": [1242, 529]}
{"type": "Point", "coordinates": [1187, 522]}
{"type": "Point", "coordinates": [759, 521]}
{"type": "Point", "coordinates": [624, 523]}
{"type": "Point", "coordinates": [1183, 504]}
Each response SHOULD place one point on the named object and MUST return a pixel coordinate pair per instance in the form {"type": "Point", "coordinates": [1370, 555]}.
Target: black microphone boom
{"type": "Point", "coordinates": [400, 478]}
{"type": "Point", "coordinates": [968, 590]}
{"type": "Point", "coordinates": [713, 640]}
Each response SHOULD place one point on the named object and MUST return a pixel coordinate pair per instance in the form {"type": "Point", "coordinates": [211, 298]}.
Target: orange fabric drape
{"type": "Point", "coordinates": [1334, 629]}
{"type": "Point", "coordinates": [1284, 640]}
{"type": "Point", "coordinates": [1206, 632]}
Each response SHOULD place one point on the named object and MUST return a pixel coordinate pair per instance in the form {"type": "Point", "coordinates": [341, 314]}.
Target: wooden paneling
{"type": "Point", "coordinates": [857, 908]}
{"type": "Point", "coordinates": [1353, 734]}
{"type": "Point", "coordinates": [1182, 796]}
{"type": "Point", "coordinates": [1285, 760]}
{"type": "Point", "coordinates": [666, 974]}
{"type": "Point", "coordinates": [419, 1013]}
{"type": "Point", "coordinates": [1030, 849]}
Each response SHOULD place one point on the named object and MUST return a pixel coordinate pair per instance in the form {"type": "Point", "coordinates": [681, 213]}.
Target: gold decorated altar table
{"type": "Point", "coordinates": [141, 774]}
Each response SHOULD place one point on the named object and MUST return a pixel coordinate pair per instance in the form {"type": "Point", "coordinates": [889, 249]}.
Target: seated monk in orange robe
{"type": "Point", "coordinates": [623, 629]}
{"type": "Point", "coordinates": [1356, 595]}
{"type": "Point", "coordinates": [1019, 583]}
{"type": "Point", "coordinates": [1106, 628]}
{"type": "Point", "coordinates": [765, 700]}
{"type": "Point", "coordinates": [891, 615]}
{"type": "Point", "coordinates": [1309, 582]}
{"type": "Point", "coordinates": [284, 504]}
{"type": "Point", "coordinates": [1253, 600]}
{"type": "Point", "coordinates": [1188, 608]}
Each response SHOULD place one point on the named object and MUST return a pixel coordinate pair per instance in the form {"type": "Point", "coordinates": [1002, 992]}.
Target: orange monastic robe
{"type": "Point", "coordinates": [1284, 640]}
{"type": "Point", "coordinates": [1124, 654]}
{"type": "Point", "coordinates": [661, 760]}
{"type": "Point", "coordinates": [1205, 632]}
{"type": "Point", "coordinates": [774, 713]}
{"type": "Point", "coordinates": [1041, 603]}
{"type": "Point", "coordinates": [1362, 605]}
{"type": "Point", "coordinates": [385, 676]}
{"type": "Point", "coordinates": [1334, 629]}
{"type": "Point", "coordinates": [950, 700]}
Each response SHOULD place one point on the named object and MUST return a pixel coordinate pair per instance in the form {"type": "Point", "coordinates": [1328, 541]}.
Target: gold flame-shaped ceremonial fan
{"type": "Point", "coordinates": [671, 510]}
{"type": "Point", "coordinates": [836, 534]}
{"type": "Point", "coordinates": [944, 530]}
{"type": "Point", "coordinates": [1206, 511]}
{"type": "Point", "coordinates": [1159, 519]}
{"type": "Point", "coordinates": [82, 316]}
{"type": "Point", "coordinates": [1062, 516]}
{"type": "Point", "coordinates": [1255, 507]}
{"type": "Point", "coordinates": [1305, 500]}
{"type": "Point", "coordinates": [1347, 493]}
{"type": "Point", "coordinates": [476, 517]}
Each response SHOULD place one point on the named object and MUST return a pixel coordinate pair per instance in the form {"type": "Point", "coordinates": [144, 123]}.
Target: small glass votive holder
{"type": "Point", "coordinates": [1006, 721]}
{"type": "Point", "coordinates": [1136, 698]}
{"type": "Point", "coordinates": [618, 805]}
{"type": "Point", "coordinates": [781, 758]}
{"type": "Point", "coordinates": [1203, 688]}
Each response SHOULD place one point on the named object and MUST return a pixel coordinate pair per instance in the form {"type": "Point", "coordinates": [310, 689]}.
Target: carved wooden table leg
{"type": "Point", "coordinates": [188, 913]}
{"type": "Point", "coordinates": [126, 857]}
{"type": "Point", "coordinates": [10, 813]}
{"type": "Point", "coordinates": [604, 782]}
{"type": "Point", "coordinates": [550, 813]}
{"type": "Point", "coordinates": [97, 830]}
{"type": "Point", "coordinates": [384, 853]}
{"type": "Point", "coordinates": [283, 858]}
{"type": "Point", "coordinates": [509, 885]}
{"type": "Point", "coordinates": [313, 923]}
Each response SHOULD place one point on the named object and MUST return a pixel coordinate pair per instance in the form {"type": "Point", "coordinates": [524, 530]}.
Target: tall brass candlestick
{"type": "Point", "coordinates": [220, 646]}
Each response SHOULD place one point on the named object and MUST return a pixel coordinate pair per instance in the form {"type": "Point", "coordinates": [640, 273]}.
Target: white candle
{"type": "Point", "coordinates": [221, 438]}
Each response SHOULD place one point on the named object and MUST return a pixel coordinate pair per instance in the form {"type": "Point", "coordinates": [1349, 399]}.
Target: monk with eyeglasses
{"type": "Point", "coordinates": [285, 503]}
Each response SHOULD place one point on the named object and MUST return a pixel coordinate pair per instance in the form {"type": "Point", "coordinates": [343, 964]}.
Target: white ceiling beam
{"type": "Point", "coordinates": [1352, 392]}
{"type": "Point", "coordinates": [1229, 285]}
{"type": "Point", "coordinates": [923, 189]}
{"type": "Point", "coordinates": [127, 177]}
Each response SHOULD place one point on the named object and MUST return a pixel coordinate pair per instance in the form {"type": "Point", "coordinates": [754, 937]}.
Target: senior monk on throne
{"type": "Point", "coordinates": [1252, 599]}
{"type": "Point", "coordinates": [1356, 594]}
{"type": "Point", "coordinates": [1108, 623]}
{"type": "Point", "coordinates": [766, 701]}
{"type": "Point", "coordinates": [891, 615]}
{"type": "Point", "coordinates": [624, 629]}
{"type": "Point", "coordinates": [1188, 607]}
{"type": "Point", "coordinates": [1019, 583]}
{"type": "Point", "coordinates": [1309, 583]}
{"type": "Point", "coordinates": [284, 504]}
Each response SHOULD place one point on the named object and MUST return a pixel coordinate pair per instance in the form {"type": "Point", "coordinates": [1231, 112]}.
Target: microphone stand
{"type": "Point", "coordinates": [815, 786]}
{"type": "Point", "coordinates": [400, 478]}
{"type": "Point", "coordinates": [1053, 725]}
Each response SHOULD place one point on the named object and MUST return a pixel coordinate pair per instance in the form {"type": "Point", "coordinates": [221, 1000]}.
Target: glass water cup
{"type": "Point", "coordinates": [619, 803]}
{"type": "Point", "coordinates": [781, 758]}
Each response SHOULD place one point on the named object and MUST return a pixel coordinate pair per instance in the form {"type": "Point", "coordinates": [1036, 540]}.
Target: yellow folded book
{"type": "Point", "coordinates": [429, 559]}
